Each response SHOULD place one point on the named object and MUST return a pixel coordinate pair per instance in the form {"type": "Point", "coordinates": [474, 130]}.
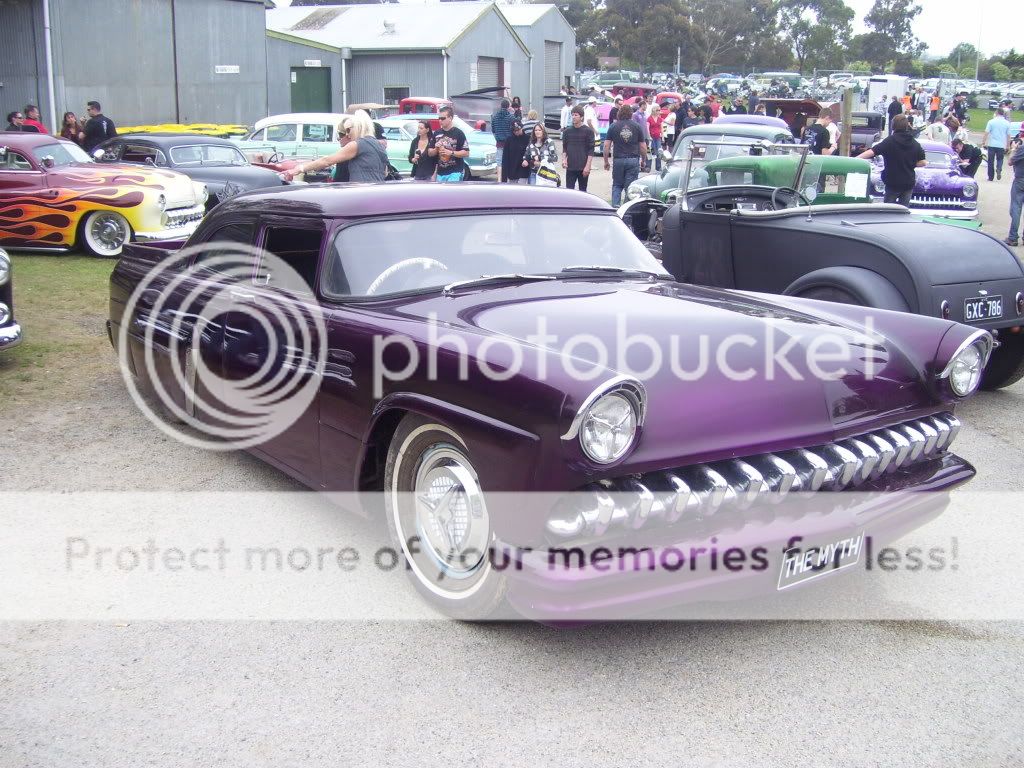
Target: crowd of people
{"type": "Point", "coordinates": [88, 133]}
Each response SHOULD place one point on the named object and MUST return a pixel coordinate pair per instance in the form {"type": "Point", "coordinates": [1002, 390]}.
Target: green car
{"type": "Point", "coordinates": [759, 130]}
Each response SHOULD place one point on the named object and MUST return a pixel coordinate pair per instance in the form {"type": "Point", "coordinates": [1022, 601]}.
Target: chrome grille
{"type": "Point", "coordinates": [703, 489]}
{"type": "Point", "coordinates": [180, 216]}
{"type": "Point", "coordinates": [936, 201]}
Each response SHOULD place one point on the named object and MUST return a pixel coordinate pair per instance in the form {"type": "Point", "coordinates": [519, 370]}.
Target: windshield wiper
{"type": "Point", "coordinates": [616, 270]}
{"type": "Point", "coordinates": [515, 277]}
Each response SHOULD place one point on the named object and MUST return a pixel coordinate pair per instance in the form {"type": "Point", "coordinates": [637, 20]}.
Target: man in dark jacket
{"type": "Point", "coordinates": [970, 156]}
{"type": "Point", "coordinates": [895, 108]}
{"type": "Point", "coordinates": [98, 129]}
{"type": "Point", "coordinates": [1016, 162]}
{"type": "Point", "coordinates": [902, 156]}
{"type": "Point", "coordinates": [501, 127]}
{"type": "Point", "coordinates": [16, 122]}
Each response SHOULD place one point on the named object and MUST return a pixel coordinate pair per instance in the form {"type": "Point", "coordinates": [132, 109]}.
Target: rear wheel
{"type": "Point", "coordinates": [437, 516]}
{"type": "Point", "coordinates": [104, 233]}
{"type": "Point", "coordinates": [830, 293]}
{"type": "Point", "coordinates": [1006, 365]}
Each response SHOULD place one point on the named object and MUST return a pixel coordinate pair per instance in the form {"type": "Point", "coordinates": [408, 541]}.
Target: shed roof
{"type": "Point", "coordinates": [379, 27]}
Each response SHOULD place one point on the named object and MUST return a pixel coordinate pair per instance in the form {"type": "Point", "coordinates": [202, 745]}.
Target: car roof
{"type": "Point", "coordinates": [302, 117]}
{"type": "Point", "coordinates": [745, 130]}
{"type": "Point", "coordinates": [19, 140]}
{"type": "Point", "coordinates": [408, 197]}
{"type": "Point", "coordinates": [174, 139]}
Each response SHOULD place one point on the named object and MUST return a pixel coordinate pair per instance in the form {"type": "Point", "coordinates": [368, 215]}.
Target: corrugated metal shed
{"type": "Point", "coordinates": [285, 52]}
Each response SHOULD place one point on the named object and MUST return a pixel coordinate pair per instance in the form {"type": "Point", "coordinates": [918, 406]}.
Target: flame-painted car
{"type": "Point", "coordinates": [749, 223]}
{"type": "Point", "coordinates": [54, 196]}
{"type": "Point", "coordinates": [627, 453]}
{"type": "Point", "coordinates": [10, 331]}
{"type": "Point", "coordinates": [941, 189]}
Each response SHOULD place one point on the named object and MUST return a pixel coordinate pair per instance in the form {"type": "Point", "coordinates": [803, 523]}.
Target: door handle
{"type": "Point", "coordinates": [243, 296]}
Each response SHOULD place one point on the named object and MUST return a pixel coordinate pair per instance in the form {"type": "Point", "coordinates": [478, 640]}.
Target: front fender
{"type": "Point", "coordinates": [870, 288]}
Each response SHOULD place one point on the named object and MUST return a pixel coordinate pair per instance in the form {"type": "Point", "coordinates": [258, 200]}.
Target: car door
{"type": "Point", "coordinates": [20, 176]}
{"type": "Point", "coordinates": [317, 139]}
{"type": "Point", "coordinates": [272, 339]}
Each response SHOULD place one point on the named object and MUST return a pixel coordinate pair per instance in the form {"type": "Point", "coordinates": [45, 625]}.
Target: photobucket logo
{"type": "Point", "coordinates": [230, 342]}
{"type": "Point", "coordinates": [776, 348]}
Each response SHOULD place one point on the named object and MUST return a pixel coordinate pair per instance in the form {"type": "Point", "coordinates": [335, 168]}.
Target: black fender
{"type": "Point", "coordinates": [870, 288]}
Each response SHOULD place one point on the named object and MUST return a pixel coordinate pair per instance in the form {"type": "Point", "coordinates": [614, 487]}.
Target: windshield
{"type": "Point", "coordinates": [937, 158]}
{"type": "Point", "coordinates": [62, 154]}
{"type": "Point", "coordinates": [719, 164]}
{"type": "Point", "coordinates": [381, 258]}
{"type": "Point", "coordinates": [207, 154]}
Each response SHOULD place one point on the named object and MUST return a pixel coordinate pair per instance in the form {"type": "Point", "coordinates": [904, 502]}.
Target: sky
{"type": "Point", "coordinates": [943, 24]}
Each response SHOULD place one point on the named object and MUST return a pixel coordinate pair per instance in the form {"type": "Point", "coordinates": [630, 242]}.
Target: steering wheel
{"type": "Point", "coordinates": [394, 269]}
{"type": "Point", "coordinates": [276, 157]}
{"type": "Point", "coordinates": [790, 190]}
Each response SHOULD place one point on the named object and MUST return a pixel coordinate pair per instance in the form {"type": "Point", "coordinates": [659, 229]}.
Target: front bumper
{"type": "Point", "coordinates": [945, 209]}
{"type": "Point", "coordinates": [485, 169]}
{"type": "Point", "coordinates": [180, 224]}
{"type": "Point", "coordinates": [10, 335]}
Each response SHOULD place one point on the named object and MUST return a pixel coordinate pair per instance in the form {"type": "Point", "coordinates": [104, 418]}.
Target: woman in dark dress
{"type": "Point", "coordinates": [423, 165]}
{"type": "Point", "coordinates": [70, 128]}
{"type": "Point", "coordinates": [512, 157]}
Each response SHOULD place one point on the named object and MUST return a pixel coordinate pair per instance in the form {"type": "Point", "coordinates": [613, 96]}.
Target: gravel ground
{"type": "Point", "coordinates": [431, 692]}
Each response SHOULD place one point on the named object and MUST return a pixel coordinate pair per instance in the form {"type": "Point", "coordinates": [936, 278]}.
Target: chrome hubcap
{"type": "Point", "coordinates": [451, 517]}
{"type": "Point", "coordinates": [108, 232]}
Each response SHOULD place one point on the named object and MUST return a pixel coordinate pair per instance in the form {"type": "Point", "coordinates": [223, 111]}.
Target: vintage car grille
{"type": "Point", "coordinates": [701, 490]}
{"type": "Point", "coordinates": [936, 201]}
{"type": "Point", "coordinates": [179, 217]}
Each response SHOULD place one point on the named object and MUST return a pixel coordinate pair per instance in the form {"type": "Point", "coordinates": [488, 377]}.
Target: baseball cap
{"type": "Point", "coordinates": [592, 100]}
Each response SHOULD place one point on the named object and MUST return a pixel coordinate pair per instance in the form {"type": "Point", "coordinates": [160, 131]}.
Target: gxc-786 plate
{"type": "Point", "coordinates": [983, 308]}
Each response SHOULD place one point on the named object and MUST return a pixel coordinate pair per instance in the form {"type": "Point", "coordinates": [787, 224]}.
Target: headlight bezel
{"type": "Point", "coordinates": [5, 267]}
{"type": "Point", "coordinates": [626, 388]}
{"type": "Point", "coordinates": [980, 343]}
{"type": "Point", "coordinates": [637, 191]}
{"type": "Point", "coordinates": [970, 189]}
{"type": "Point", "coordinates": [878, 186]}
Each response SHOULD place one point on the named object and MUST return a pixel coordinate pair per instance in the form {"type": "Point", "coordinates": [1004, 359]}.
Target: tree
{"type": "Point", "coordinates": [644, 31]}
{"type": "Point", "coordinates": [892, 21]}
{"type": "Point", "coordinates": [722, 31]}
{"type": "Point", "coordinates": [817, 30]}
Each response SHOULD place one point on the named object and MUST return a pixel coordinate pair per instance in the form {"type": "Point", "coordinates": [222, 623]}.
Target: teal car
{"type": "Point", "coordinates": [727, 133]}
{"type": "Point", "coordinates": [300, 134]}
{"type": "Point", "coordinates": [400, 130]}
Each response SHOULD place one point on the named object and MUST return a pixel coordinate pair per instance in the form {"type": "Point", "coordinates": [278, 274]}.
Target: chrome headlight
{"type": "Point", "coordinates": [5, 266]}
{"type": "Point", "coordinates": [879, 187]}
{"type": "Point", "coordinates": [970, 189]}
{"type": "Point", "coordinates": [5, 313]}
{"type": "Point", "coordinates": [609, 419]}
{"type": "Point", "coordinates": [161, 203]}
{"type": "Point", "coordinates": [965, 368]}
{"type": "Point", "coordinates": [637, 190]}
{"type": "Point", "coordinates": [202, 193]}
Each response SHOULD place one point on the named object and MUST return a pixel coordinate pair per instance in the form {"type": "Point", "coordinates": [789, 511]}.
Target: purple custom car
{"type": "Point", "coordinates": [465, 276]}
{"type": "Point", "coordinates": [942, 188]}
{"type": "Point", "coordinates": [867, 129]}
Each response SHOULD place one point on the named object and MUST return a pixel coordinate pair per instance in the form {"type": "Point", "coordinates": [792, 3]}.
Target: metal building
{"type": "Point", "coordinates": [553, 44]}
{"type": "Point", "coordinates": [388, 52]}
{"type": "Point", "coordinates": [145, 61]}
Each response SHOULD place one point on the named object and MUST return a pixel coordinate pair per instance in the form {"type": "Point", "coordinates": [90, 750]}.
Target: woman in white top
{"type": "Point", "coordinates": [668, 127]}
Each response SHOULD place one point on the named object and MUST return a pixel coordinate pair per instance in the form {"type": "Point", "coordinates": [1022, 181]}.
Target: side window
{"type": "Point", "coordinates": [14, 161]}
{"type": "Point", "coordinates": [141, 153]}
{"type": "Point", "coordinates": [112, 152]}
{"type": "Point", "coordinates": [259, 135]}
{"type": "Point", "coordinates": [284, 132]}
{"type": "Point", "coordinates": [217, 254]}
{"type": "Point", "coordinates": [300, 250]}
{"type": "Point", "coordinates": [316, 132]}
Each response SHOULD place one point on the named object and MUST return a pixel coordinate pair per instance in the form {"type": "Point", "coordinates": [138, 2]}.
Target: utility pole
{"type": "Point", "coordinates": [981, 22]}
{"type": "Point", "coordinates": [679, 59]}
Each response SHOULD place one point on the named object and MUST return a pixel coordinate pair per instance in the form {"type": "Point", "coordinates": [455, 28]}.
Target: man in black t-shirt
{"type": "Point", "coordinates": [970, 156]}
{"type": "Point", "coordinates": [630, 148]}
{"type": "Point", "coordinates": [98, 129]}
{"type": "Point", "coordinates": [577, 151]}
{"type": "Point", "coordinates": [817, 136]}
{"type": "Point", "coordinates": [902, 156]}
{"type": "Point", "coordinates": [450, 146]}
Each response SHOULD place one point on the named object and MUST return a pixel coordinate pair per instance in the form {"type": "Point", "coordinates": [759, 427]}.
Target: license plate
{"type": "Point", "coordinates": [983, 308]}
{"type": "Point", "coordinates": [810, 561]}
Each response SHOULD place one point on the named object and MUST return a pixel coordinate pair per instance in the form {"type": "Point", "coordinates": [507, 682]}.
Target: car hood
{"type": "Point", "coordinates": [761, 401]}
{"type": "Point", "coordinates": [245, 176]}
{"type": "Point", "coordinates": [933, 181]}
{"type": "Point", "coordinates": [177, 188]}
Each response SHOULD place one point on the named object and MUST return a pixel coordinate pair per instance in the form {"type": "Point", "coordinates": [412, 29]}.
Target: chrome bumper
{"type": "Point", "coordinates": [180, 223]}
{"type": "Point", "coordinates": [937, 208]}
{"type": "Point", "coordinates": [699, 491]}
{"type": "Point", "coordinates": [10, 335]}
{"type": "Point", "coordinates": [483, 170]}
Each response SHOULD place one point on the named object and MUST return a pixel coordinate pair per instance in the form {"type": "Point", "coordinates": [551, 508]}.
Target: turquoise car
{"type": "Point", "coordinates": [400, 130]}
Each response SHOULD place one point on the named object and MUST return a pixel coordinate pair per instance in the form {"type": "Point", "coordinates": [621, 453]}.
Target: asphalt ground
{"type": "Point", "coordinates": [422, 693]}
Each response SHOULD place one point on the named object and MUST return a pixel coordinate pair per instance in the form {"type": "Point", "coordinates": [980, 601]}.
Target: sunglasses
{"type": "Point", "coordinates": [19, 117]}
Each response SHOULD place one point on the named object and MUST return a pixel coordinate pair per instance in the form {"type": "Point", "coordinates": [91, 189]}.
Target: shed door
{"type": "Point", "coordinates": [488, 72]}
{"type": "Point", "coordinates": [311, 89]}
{"type": "Point", "coordinates": [552, 67]}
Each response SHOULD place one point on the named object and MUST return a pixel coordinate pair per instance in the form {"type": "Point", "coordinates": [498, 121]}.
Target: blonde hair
{"type": "Point", "coordinates": [533, 115]}
{"type": "Point", "coordinates": [356, 125]}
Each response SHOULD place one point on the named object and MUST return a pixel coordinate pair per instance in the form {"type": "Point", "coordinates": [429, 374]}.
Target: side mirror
{"type": "Point", "coordinates": [149, 161]}
{"type": "Point", "coordinates": [97, 154]}
{"type": "Point", "coordinates": [666, 154]}
{"type": "Point", "coordinates": [48, 162]}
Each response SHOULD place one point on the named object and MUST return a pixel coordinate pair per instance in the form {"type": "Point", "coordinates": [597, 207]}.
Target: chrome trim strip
{"type": "Point", "coordinates": [972, 339]}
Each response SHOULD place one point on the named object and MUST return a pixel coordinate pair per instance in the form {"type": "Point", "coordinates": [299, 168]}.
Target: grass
{"type": "Point", "coordinates": [60, 301]}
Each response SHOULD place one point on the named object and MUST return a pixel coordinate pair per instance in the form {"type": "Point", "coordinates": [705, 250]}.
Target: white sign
{"type": "Point", "coordinates": [295, 77]}
{"type": "Point", "coordinates": [312, 63]}
{"type": "Point", "coordinates": [226, 69]}
{"type": "Point", "coordinates": [472, 76]}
